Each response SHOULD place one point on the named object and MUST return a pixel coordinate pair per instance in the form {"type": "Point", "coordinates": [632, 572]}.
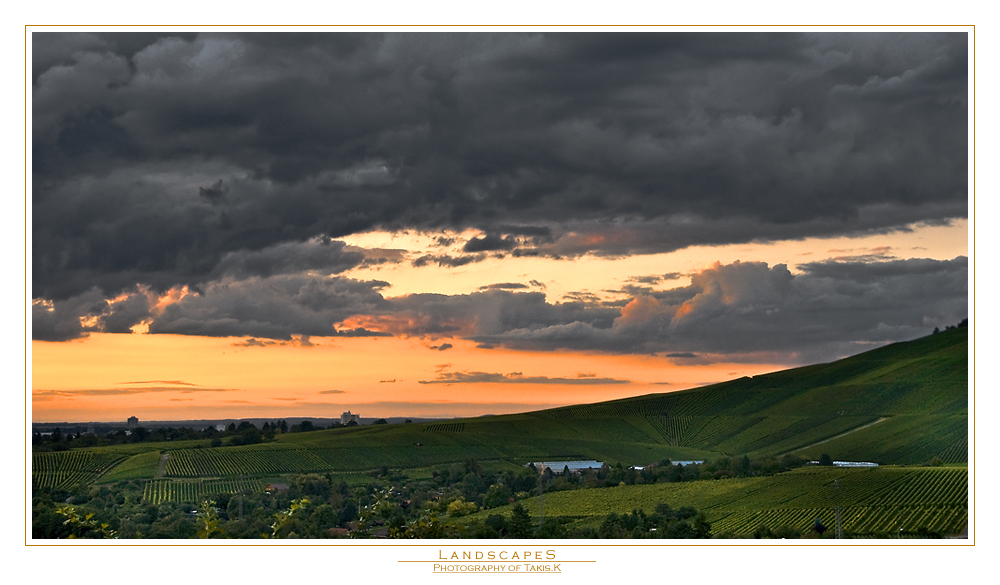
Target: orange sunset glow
{"type": "Point", "coordinates": [433, 225]}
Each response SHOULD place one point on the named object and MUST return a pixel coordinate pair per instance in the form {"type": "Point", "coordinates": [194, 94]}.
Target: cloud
{"type": "Point", "coordinates": [89, 312]}
{"type": "Point", "coordinates": [331, 392]}
{"type": "Point", "coordinates": [503, 286]}
{"type": "Point", "coordinates": [516, 378]}
{"type": "Point", "coordinates": [173, 159]}
{"type": "Point", "coordinates": [278, 307]}
{"type": "Point", "coordinates": [755, 312]}
{"type": "Point", "coordinates": [170, 382]}
{"type": "Point", "coordinates": [122, 391]}
{"type": "Point", "coordinates": [442, 347]}
{"type": "Point", "coordinates": [296, 340]}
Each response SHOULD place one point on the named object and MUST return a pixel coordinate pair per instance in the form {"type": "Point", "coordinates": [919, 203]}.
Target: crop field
{"type": "Point", "coordinates": [269, 459]}
{"type": "Point", "coordinates": [194, 491]}
{"type": "Point", "coordinates": [233, 461]}
{"type": "Point", "coordinates": [873, 501]}
{"type": "Point", "coordinates": [70, 468]}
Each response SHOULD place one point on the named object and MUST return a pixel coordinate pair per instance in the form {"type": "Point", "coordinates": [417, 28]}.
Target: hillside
{"type": "Point", "coordinates": [880, 502]}
{"type": "Point", "coordinates": [904, 403]}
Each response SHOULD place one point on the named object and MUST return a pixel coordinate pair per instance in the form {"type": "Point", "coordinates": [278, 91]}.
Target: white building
{"type": "Point", "coordinates": [348, 417]}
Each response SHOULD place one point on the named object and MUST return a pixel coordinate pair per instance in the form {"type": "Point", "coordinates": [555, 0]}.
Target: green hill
{"type": "Point", "coordinates": [904, 403]}
{"type": "Point", "coordinates": [881, 501]}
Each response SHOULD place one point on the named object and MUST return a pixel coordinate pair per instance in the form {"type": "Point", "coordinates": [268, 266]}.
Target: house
{"type": "Point", "coordinates": [348, 417]}
{"type": "Point", "coordinates": [558, 467]}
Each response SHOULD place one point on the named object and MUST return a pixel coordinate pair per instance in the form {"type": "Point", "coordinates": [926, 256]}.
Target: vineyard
{"type": "Point", "coordinates": [875, 501]}
{"type": "Point", "coordinates": [903, 404]}
{"type": "Point", "coordinates": [62, 470]}
{"type": "Point", "coordinates": [194, 491]}
{"type": "Point", "coordinates": [275, 459]}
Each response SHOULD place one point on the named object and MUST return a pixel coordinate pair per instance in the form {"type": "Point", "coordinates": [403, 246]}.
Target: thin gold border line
{"type": "Point", "coordinates": [971, 537]}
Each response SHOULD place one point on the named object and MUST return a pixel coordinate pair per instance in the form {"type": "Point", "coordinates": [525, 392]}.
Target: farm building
{"type": "Point", "coordinates": [848, 463]}
{"type": "Point", "coordinates": [557, 467]}
{"type": "Point", "coordinates": [348, 417]}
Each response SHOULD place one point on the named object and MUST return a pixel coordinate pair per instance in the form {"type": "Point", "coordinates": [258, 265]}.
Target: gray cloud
{"type": "Point", "coordinates": [750, 311]}
{"type": "Point", "coordinates": [516, 378]}
{"type": "Point", "coordinates": [122, 391]}
{"type": "Point", "coordinates": [503, 286]}
{"type": "Point", "coordinates": [278, 307]}
{"type": "Point", "coordinates": [177, 159]}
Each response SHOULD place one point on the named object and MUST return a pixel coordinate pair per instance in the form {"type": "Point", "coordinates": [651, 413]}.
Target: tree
{"type": "Point", "coordinates": [284, 517]}
{"type": "Point", "coordinates": [208, 519]}
{"type": "Point", "coordinates": [460, 507]}
{"type": "Point", "coordinates": [825, 459]}
{"type": "Point", "coordinates": [84, 526]}
{"type": "Point", "coordinates": [519, 525]}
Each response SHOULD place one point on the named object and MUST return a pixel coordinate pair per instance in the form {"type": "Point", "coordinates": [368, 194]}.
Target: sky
{"type": "Point", "coordinates": [230, 225]}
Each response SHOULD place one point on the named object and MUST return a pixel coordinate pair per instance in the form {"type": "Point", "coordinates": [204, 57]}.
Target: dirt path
{"type": "Point", "coordinates": [163, 465]}
{"type": "Point", "coordinates": [864, 426]}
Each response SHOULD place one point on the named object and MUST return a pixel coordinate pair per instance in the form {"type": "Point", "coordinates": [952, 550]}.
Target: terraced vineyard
{"type": "Point", "coordinates": [70, 468]}
{"type": "Point", "coordinates": [874, 501]}
{"type": "Point", "coordinates": [272, 459]}
{"type": "Point", "coordinates": [194, 491]}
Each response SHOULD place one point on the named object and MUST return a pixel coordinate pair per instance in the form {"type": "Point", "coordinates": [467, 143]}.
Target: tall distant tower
{"type": "Point", "coordinates": [133, 423]}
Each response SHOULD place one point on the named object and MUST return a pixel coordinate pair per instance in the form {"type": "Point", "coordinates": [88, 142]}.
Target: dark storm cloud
{"type": "Point", "coordinates": [485, 313]}
{"type": "Point", "coordinates": [166, 159]}
{"type": "Point", "coordinates": [89, 312]}
{"type": "Point", "coordinates": [490, 243]}
{"type": "Point", "coordinates": [446, 260]}
{"type": "Point", "coordinates": [745, 311]}
{"type": "Point", "coordinates": [279, 307]}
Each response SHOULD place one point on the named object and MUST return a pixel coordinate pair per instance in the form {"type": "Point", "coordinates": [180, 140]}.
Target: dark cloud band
{"type": "Point", "coordinates": [176, 159]}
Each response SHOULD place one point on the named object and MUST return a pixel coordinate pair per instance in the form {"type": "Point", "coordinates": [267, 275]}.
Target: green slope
{"type": "Point", "coordinates": [904, 403]}
{"type": "Point", "coordinates": [881, 501]}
